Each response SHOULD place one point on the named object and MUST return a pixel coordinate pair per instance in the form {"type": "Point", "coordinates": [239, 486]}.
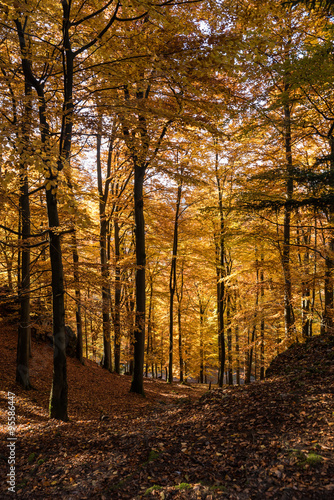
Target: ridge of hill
{"type": "Point", "coordinates": [271, 439]}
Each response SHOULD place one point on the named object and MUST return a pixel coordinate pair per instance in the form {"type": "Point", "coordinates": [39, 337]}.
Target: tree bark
{"type": "Point", "coordinates": [59, 391]}
{"type": "Point", "coordinates": [117, 311]}
{"type": "Point", "coordinates": [179, 294]}
{"type": "Point", "coordinates": [289, 317]}
{"type": "Point", "coordinates": [137, 384]}
{"type": "Point", "coordinates": [172, 282]}
{"type": "Point", "coordinates": [220, 270]}
{"type": "Point", "coordinates": [262, 322]}
{"type": "Point", "coordinates": [23, 345]}
{"type": "Point", "coordinates": [229, 340]}
{"type": "Point", "coordinates": [327, 317]}
{"type": "Point", "coordinates": [105, 289]}
{"type": "Point", "coordinates": [58, 397]}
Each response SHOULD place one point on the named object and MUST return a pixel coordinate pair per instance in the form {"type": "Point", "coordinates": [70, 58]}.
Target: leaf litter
{"type": "Point", "coordinates": [271, 439]}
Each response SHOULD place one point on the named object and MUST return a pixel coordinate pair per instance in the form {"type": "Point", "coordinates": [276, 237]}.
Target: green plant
{"type": "Point", "coordinates": [153, 455]}
{"type": "Point", "coordinates": [31, 457]}
{"type": "Point", "coordinates": [313, 459]}
{"type": "Point", "coordinates": [183, 486]}
{"type": "Point", "coordinates": [155, 487]}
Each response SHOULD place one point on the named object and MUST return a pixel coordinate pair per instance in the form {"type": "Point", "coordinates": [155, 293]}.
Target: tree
{"type": "Point", "coordinates": [172, 279]}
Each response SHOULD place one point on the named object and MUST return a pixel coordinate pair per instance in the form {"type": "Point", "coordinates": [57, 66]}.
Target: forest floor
{"type": "Point", "coordinates": [271, 439]}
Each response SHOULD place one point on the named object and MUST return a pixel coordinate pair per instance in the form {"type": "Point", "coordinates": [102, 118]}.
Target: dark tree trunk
{"type": "Point", "coordinates": [58, 398]}
{"type": "Point", "coordinates": [139, 334]}
{"type": "Point", "coordinates": [220, 269]}
{"type": "Point", "coordinates": [202, 309]}
{"type": "Point", "coordinates": [130, 305]}
{"type": "Point", "coordinates": [289, 318]}
{"type": "Point", "coordinates": [23, 345]}
{"type": "Point", "coordinates": [237, 345]}
{"type": "Point", "coordinates": [117, 312]}
{"type": "Point", "coordinates": [179, 294]}
{"type": "Point", "coordinates": [249, 362]}
{"type": "Point", "coordinates": [327, 317]}
{"type": "Point", "coordinates": [76, 280]}
{"type": "Point", "coordinates": [78, 317]}
{"type": "Point", "coordinates": [250, 357]}
{"type": "Point", "coordinates": [172, 282]}
{"type": "Point", "coordinates": [103, 259]}
{"type": "Point", "coordinates": [229, 341]}
{"type": "Point", "coordinates": [262, 323]}
{"type": "Point", "coordinates": [139, 151]}
{"type": "Point", "coordinates": [149, 348]}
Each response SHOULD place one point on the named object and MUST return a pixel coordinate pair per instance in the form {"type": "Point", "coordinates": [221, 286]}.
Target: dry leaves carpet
{"type": "Point", "coordinates": [272, 439]}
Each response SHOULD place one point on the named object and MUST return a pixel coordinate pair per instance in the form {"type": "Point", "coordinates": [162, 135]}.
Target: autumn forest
{"type": "Point", "coordinates": [166, 184]}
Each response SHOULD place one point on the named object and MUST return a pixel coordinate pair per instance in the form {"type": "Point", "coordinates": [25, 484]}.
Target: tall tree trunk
{"type": "Point", "coordinates": [237, 341]}
{"type": "Point", "coordinates": [139, 151]}
{"type": "Point", "coordinates": [139, 334]}
{"type": "Point", "coordinates": [76, 278]}
{"type": "Point", "coordinates": [289, 318]}
{"type": "Point", "coordinates": [103, 259]}
{"type": "Point", "coordinates": [262, 322]}
{"type": "Point", "coordinates": [201, 343]}
{"type": "Point", "coordinates": [172, 281]}
{"type": "Point", "coordinates": [253, 337]}
{"type": "Point", "coordinates": [149, 347]}
{"type": "Point", "coordinates": [59, 391]}
{"type": "Point", "coordinates": [78, 316]}
{"type": "Point", "coordinates": [117, 311]}
{"type": "Point", "coordinates": [23, 345]}
{"type": "Point", "coordinates": [229, 340]}
{"type": "Point", "coordinates": [179, 294]}
{"type": "Point", "coordinates": [58, 397]}
{"type": "Point", "coordinates": [327, 317]}
{"type": "Point", "coordinates": [202, 310]}
{"type": "Point", "coordinates": [220, 270]}
{"type": "Point", "coordinates": [237, 353]}
{"type": "Point", "coordinates": [130, 306]}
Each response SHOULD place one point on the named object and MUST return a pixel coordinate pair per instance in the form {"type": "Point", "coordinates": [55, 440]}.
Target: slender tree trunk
{"type": "Point", "coordinates": [130, 305]}
{"type": "Point", "coordinates": [149, 348]}
{"type": "Point", "coordinates": [139, 334]}
{"type": "Point", "coordinates": [172, 281]}
{"type": "Point", "coordinates": [117, 312]}
{"type": "Point", "coordinates": [253, 337]}
{"type": "Point", "coordinates": [78, 316]}
{"type": "Point", "coordinates": [229, 340]}
{"type": "Point", "coordinates": [86, 333]}
{"type": "Point", "coordinates": [59, 391]}
{"type": "Point", "coordinates": [237, 341]}
{"type": "Point", "coordinates": [202, 309]}
{"type": "Point", "coordinates": [289, 318]}
{"type": "Point", "coordinates": [237, 353]}
{"type": "Point", "coordinates": [262, 322]}
{"type": "Point", "coordinates": [76, 279]}
{"type": "Point", "coordinates": [179, 294]}
{"type": "Point", "coordinates": [103, 259]}
{"type": "Point", "coordinates": [220, 269]}
{"type": "Point", "coordinates": [328, 319]}
{"type": "Point", "coordinates": [58, 397]}
{"type": "Point", "coordinates": [23, 346]}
